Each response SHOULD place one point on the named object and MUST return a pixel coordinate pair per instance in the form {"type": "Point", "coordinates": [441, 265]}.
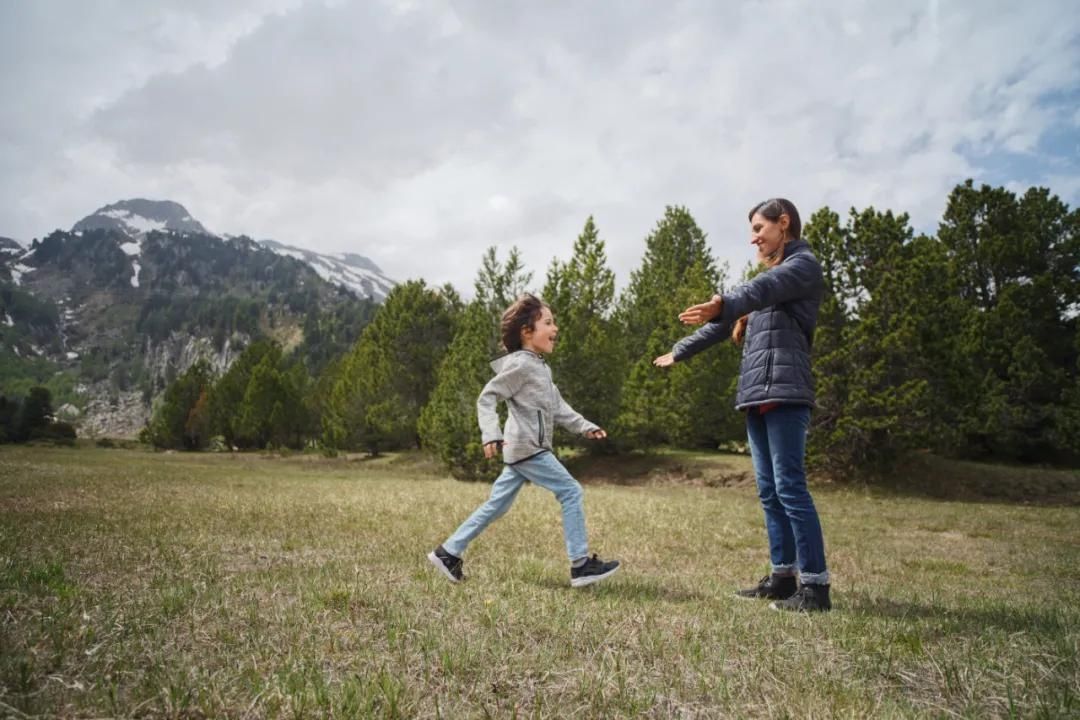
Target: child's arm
{"type": "Point", "coordinates": [571, 419]}
{"type": "Point", "coordinates": [501, 387]}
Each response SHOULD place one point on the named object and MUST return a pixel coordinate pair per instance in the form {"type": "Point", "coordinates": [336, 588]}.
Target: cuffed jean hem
{"type": "Point", "coordinates": [821, 578]}
{"type": "Point", "coordinates": [783, 570]}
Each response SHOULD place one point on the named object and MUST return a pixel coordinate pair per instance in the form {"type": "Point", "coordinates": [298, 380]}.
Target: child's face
{"type": "Point", "coordinates": [542, 339]}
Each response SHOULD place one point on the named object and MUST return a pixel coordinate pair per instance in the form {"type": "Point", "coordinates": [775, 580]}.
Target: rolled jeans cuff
{"type": "Point", "coordinates": [783, 570]}
{"type": "Point", "coordinates": [821, 578]}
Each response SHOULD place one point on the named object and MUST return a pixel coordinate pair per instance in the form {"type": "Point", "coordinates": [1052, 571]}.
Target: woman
{"type": "Point", "coordinates": [776, 391]}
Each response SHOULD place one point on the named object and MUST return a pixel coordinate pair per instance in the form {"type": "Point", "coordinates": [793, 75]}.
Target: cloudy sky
{"type": "Point", "coordinates": [420, 133]}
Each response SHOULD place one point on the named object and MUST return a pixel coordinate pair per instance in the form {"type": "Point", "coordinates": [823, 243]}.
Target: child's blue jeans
{"type": "Point", "coordinates": [545, 471]}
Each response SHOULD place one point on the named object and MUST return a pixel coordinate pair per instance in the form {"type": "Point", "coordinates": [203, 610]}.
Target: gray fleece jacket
{"type": "Point", "coordinates": [535, 406]}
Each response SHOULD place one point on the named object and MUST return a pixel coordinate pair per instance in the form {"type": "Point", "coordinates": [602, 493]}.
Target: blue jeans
{"type": "Point", "coordinates": [545, 471]}
{"type": "Point", "coordinates": [778, 447]}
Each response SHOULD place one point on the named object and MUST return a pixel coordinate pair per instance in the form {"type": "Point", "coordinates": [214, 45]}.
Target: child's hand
{"type": "Point", "coordinates": [706, 311]}
{"type": "Point", "coordinates": [492, 449]}
{"type": "Point", "coordinates": [597, 434]}
{"type": "Point", "coordinates": [664, 360]}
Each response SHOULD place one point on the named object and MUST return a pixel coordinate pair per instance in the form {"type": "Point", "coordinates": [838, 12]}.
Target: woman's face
{"type": "Point", "coordinates": [768, 235]}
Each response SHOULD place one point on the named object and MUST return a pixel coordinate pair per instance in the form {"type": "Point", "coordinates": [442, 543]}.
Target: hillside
{"type": "Point", "coordinates": [108, 313]}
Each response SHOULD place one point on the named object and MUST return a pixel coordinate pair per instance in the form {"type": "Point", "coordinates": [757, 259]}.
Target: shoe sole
{"type": "Point", "coordinates": [591, 579]}
{"type": "Point", "coordinates": [754, 598]}
{"type": "Point", "coordinates": [806, 611]}
{"type": "Point", "coordinates": [442, 568]}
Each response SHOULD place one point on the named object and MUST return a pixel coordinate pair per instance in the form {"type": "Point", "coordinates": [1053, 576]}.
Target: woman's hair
{"type": "Point", "coordinates": [523, 313]}
{"type": "Point", "coordinates": [774, 208]}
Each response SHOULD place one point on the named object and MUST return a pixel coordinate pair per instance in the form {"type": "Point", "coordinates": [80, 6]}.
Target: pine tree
{"type": "Point", "coordinates": [228, 393]}
{"type": "Point", "coordinates": [264, 396]}
{"type": "Point", "coordinates": [588, 363]}
{"type": "Point", "coordinates": [9, 415]}
{"type": "Point", "coordinates": [1017, 261]}
{"type": "Point", "coordinates": [499, 284]}
{"type": "Point", "coordinates": [886, 380]}
{"type": "Point", "coordinates": [448, 425]}
{"type": "Point", "coordinates": [173, 424]}
{"type": "Point", "coordinates": [388, 376]}
{"type": "Point", "coordinates": [35, 414]}
{"type": "Point", "coordinates": [691, 403]}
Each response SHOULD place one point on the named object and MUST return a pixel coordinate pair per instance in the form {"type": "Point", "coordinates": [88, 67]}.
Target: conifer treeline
{"type": "Point", "coordinates": [966, 344]}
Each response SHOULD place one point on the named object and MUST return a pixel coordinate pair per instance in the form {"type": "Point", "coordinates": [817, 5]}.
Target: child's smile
{"type": "Point", "coordinates": [541, 340]}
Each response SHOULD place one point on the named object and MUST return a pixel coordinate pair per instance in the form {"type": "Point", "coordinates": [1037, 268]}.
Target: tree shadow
{"type": "Point", "coordinates": [972, 621]}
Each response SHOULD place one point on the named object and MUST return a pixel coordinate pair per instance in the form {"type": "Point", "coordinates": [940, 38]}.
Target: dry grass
{"type": "Point", "coordinates": [139, 584]}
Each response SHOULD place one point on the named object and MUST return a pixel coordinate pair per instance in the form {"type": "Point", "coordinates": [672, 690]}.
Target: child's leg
{"type": "Point", "coordinates": [502, 497]}
{"type": "Point", "coordinates": [547, 472]}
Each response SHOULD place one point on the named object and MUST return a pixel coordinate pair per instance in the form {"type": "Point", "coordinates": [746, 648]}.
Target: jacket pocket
{"type": "Point", "coordinates": [540, 425]}
{"type": "Point", "coordinates": [768, 370]}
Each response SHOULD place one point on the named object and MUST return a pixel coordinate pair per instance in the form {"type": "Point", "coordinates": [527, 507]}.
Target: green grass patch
{"type": "Point", "coordinates": [179, 585]}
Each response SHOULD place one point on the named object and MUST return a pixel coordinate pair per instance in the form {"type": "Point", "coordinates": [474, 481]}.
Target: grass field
{"type": "Point", "coordinates": [153, 585]}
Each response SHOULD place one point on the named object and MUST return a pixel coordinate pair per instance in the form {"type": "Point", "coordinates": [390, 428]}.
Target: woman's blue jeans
{"type": "Point", "coordinates": [778, 448]}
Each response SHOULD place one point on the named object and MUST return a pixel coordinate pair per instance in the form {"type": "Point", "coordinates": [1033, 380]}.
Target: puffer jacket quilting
{"type": "Point", "coordinates": [783, 305]}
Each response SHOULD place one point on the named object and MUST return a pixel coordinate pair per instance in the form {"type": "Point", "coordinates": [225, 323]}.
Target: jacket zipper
{"type": "Point", "coordinates": [768, 371]}
{"type": "Point", "coordinates": [540, 418]}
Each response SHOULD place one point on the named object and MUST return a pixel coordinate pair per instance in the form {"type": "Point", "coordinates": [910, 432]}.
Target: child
{"type": "Point", "coordinates": [523, 380]}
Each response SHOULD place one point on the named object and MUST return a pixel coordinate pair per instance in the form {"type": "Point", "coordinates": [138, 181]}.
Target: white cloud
{"type": "Point", "coordinates": [420, 133]}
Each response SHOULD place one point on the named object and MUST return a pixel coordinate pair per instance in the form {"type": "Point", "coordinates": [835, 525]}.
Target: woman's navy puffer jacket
{"type": "Point", "coordinates": [783, 306]}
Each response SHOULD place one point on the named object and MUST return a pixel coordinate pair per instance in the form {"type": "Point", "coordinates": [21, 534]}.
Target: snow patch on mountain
{"type": "Point", "coordinates": [17, 271]}
{"type": "Point", "coordinates": [351, 271]}
{"type": "Point", "coordinates": [137, 223]}
{"type": "Point", "coordinates": [138, 216]}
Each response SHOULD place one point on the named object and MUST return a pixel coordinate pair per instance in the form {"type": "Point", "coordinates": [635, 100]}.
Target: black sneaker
{"type": "Point", "coordinates": [447, 563]}
{"type": "Point", "coordinates": [593, 570]}
{"type": "Point", "coordinates": [771, 587]}
{"type": "Point", "coordinates": [809, 598]}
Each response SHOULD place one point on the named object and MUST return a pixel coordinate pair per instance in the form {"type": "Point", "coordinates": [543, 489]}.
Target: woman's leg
{"type": "Point", "coordinates": [786, 428]}
{"type": "Point", "coordinates": [781, 537]}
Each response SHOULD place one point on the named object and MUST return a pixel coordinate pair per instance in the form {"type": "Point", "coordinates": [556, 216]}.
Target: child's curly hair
{"type": "Point", "coordinates": [523, 313]}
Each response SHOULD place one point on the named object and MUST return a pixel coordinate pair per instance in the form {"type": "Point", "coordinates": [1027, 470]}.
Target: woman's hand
{"type": "Point", "coordinates": [597, 434]}
{"type": "Point", "coordinates": [706, 311]}
{"type": "Point", "coordinates": [491, 449]}
{"type": "Point", "coordinates": [664, 361]}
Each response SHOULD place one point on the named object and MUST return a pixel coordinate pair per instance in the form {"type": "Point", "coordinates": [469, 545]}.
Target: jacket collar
{"type": "Point", "coordinates": [795, 246]}
{"type": "Point", "coordinates": [500, 361]}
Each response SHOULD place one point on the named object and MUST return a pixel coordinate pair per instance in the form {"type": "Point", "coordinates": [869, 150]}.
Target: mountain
{"type": "Point", "coordinates": [108, 313]}
{"type": "Point", "coordinates": [137, 217]}
{"type": "Point", "coordinates": [355, 272]}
